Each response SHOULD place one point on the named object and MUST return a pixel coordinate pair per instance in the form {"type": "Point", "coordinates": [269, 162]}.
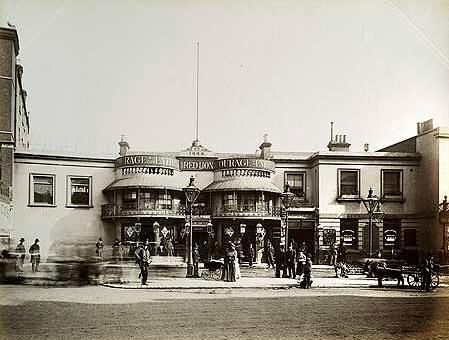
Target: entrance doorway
{"type": "Point", "coordinates": [201, 238]}
{"type": "Point", "coordinates": [248, 238]}
{"type": "Point", "coordinates": [303, 235]}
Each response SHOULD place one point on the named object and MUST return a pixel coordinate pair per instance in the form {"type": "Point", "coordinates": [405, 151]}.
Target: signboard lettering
{"type": "Point", "coordinates": [196, 165]}
{"type": "Point", "coordinates": [146, 160]}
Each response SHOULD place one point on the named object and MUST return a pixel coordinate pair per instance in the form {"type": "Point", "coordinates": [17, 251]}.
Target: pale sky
{"type": "Point", "coordinates": [97, 69]}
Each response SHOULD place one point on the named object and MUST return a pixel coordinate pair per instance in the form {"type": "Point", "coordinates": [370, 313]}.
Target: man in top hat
{"type": "Point", "coordinates": [35, 252]}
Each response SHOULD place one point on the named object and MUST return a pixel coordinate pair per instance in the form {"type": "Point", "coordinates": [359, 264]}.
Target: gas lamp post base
{"type": "Point", "coordinates": [189, 270]}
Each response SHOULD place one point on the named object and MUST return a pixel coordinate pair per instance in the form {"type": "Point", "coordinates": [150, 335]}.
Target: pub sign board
{"type": "Point", "coordinates": [348, 237]}
{"type": "Point", "coordinates": [390, 237]}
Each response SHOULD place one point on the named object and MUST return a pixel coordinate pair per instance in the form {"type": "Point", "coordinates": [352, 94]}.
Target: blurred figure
{"type": "Point", "coordinates": [115, 250]}
{"type": "Point", "coordinates": [333, 254]}
{"type": "Point", "coordinates": [121, 251]}
{"type": "Point", "coordinates": [20, 255]}
{"type": "Point", "coordinates": [35, 252]}
{"type": "Point", "coordinates": [99, 249]}
{"type": "Point", "coordinates": [170, 248]}
{"type": "Point", "coordinates": [251, 254]}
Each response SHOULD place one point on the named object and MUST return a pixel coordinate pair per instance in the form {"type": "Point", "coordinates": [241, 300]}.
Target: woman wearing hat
{"type": "Point", "coordinates": [35, 252]}
{"type": "Point", "coordinates": [229, 263]}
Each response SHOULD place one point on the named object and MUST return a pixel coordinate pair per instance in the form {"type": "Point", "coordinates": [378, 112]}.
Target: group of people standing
{"type": "Point", "coordinates": [337, 259]}
{"type": "Point", "coordinates": [20, 254]}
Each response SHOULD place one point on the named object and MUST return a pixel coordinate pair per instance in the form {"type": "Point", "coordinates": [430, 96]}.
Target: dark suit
{"type": "Point", "coordinates": [291, 263]}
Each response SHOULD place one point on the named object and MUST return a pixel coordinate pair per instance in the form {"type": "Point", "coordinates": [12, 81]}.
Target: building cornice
{"type": "Point", "coordinates": [42, 156]}
{"type": "Point", "coordinates": [10, 34]}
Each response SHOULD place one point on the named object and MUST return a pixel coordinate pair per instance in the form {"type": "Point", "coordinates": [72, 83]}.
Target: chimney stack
{"type": "Point", "coordinates": [265, 148]}
{"type": "Point", "coordinates": [337, 143]}
{"type": "Point", "coordinates": [124, 146]}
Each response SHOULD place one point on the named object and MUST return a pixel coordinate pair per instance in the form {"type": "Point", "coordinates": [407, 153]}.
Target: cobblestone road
{"type": "Point", "coordinates": [106, 313]}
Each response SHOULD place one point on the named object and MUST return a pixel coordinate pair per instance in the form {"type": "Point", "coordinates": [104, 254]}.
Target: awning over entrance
{"type": "Point", "coordinates": [243, 184]}
{"type": "Point", "coordinates": [145, 181]}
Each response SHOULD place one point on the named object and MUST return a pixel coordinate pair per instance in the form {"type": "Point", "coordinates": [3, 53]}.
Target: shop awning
{"type": "Point", "coordinates": [152, 182]}
{"type": "Point", "coordinates": [243, 184]}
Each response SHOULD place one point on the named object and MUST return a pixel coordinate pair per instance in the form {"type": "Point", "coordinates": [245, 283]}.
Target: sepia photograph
{"type": "Point", "coordinates": [224, 169]}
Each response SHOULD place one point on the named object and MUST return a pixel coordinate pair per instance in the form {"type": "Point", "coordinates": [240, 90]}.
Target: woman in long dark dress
{"type": "Point", "coordinates": [229, 263]}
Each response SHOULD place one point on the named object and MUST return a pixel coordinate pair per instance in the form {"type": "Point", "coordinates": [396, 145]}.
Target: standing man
{"type": "Point", "coordinates": [115, 250]}
{"type": "Point", "coordinates": [341, 254]}
{"type": "Point", "coordinates": [20, 254]}
{"type": "Point", "coordinates": [143, 258]}
{"type": "Point", "coordinates": [196, 260]}
{"type": "Point", "coordinates": [270, 254]}
{"type": "Point", "coordinates": [251, 254]}
{"type": "Point", "coordinates": [333, 254]}
{"type": "Point", "coordinates": [35, 252]}
{"type": "Point", "coordinates": [291, 262]}
{"type": "Point", "coordinates": [99, 249]}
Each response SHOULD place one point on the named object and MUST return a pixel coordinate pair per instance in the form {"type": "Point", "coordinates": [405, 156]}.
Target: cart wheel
{"type": "Point", "coordinates": [435, 280]}
{"type": "Point", "coordinates": [414, 280]}
{"type": "Point", "coordinates": [216, 274]}
{"type": "Point", "coordinates": [205, 275]}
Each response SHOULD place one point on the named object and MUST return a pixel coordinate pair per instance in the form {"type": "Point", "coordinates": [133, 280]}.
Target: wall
{"type": "Point", "coordinates": [60, 223]}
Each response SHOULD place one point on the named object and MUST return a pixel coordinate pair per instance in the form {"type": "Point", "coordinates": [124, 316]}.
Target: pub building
{"type": "Point", "coordinates": [371, 201]}
{"type": "Point", "coordinates": [139, 195]}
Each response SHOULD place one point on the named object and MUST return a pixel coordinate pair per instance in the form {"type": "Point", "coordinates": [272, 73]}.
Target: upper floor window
{"type": "Point", "coordinates": [296, 182]}
{"type": "Point", "coordinates": [79, 191]}
{"type": "Point", "coordinates": [228, 199]}
{"type": "Point", "coordinates": [391, 184]}
{"type": "Point", "coordinates": [349, 182]}
{"type": "Point", "coordinates": [42, 189]}
{"type": "Point", "coordinates": [129, 196]}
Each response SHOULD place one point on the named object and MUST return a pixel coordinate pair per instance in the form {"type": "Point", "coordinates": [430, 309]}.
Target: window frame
{"type": "Point", "coordinates": [69, 203]}
{"type": "Point", "coordinates": [304, 186]}
{"type": "Point", "coordinates": [348, 197]}
{"type": "Point", "coordinates": [401, 185]}
{"type": "Point", "coordinates": [31, 191]}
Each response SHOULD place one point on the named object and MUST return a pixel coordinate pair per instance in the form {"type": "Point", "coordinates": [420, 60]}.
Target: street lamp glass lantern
{"type": "Point", "coordinates": [287, 197]}
{"type": "Point", "coordinates": [191, 191]}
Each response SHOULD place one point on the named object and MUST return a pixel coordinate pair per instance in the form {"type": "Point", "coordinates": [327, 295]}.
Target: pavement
{"type": "Point", "coordinates": [125, 276]}
{"type": "Point", "coordinates": [354, 281]}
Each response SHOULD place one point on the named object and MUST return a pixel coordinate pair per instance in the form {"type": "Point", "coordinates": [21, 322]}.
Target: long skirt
{"type": "Point", "coordinates": [229, 271]}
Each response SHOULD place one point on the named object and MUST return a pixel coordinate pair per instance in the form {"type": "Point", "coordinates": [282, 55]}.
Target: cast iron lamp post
{"type": "Point", "coordinates": [444, 221]}
{"type": "Point", "coordinates": [287, 199]}
{"type": "Point", "coordinates": [191, 193]}
{"type": "Point", "coordinates": [373, 207]}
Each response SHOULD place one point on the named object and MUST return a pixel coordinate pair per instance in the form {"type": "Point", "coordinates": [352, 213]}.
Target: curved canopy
{"type": "Point", "coordinates": [243, 184]}
{"type": "Point", "coordinates": [146, 181]}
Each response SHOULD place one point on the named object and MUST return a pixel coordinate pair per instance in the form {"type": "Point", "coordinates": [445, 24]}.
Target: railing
{"type": "Point", "coordinates": [248, 210]}
{"type": "Point", "coordinates": [133, 209]}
